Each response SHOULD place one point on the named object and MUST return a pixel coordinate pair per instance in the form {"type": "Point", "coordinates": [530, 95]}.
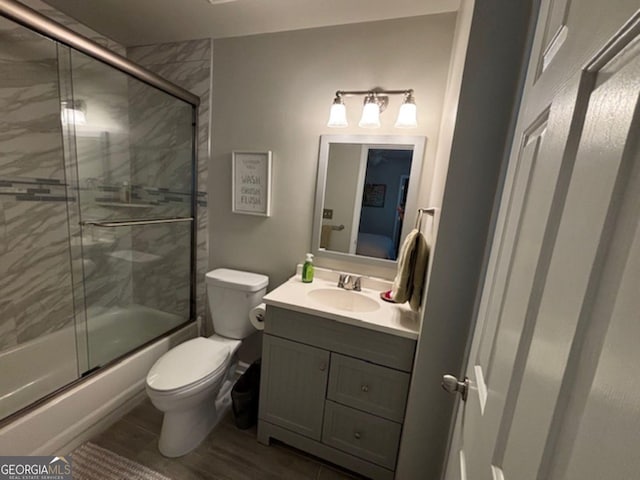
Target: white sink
{"type": "Point", "coordinates": [344, 300]}
{"type": "Point", "coordinates": [322, 298]}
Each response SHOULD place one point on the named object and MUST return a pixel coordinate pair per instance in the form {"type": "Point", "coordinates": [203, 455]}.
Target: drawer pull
{"type": "Point", "coordinates": [364, 388]}
{"type": "Point", "coordinates": [357, 435]}
{"type": "Point", "coordinates": [323, 367]}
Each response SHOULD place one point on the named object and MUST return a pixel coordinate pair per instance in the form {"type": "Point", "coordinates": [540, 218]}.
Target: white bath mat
{"type": "Point", "coordinates": [91, 462]}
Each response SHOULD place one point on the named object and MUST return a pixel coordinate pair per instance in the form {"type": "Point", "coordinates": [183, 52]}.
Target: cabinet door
{"type": "Point", "coordinates": [294, 383]}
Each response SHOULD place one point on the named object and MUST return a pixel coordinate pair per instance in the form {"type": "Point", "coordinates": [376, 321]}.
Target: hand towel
{"type": "Point", "coordinates": [412, 266]}
{"type": "Point", "coordinates": [403, 283]}
{"type": "Point", "coordinates": [419, 272]}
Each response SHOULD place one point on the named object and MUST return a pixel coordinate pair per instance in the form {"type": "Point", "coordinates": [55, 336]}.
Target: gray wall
{"type": "Point", "coordinates": [343, 167]}
{"type": "Point", "coordinates": [273, 92]}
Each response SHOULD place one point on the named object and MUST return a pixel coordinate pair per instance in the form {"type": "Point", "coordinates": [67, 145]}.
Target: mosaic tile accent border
{"type": "Point", "coordinates": [33, 190]}
{"type": "Point", "coordinates": [52, 190]}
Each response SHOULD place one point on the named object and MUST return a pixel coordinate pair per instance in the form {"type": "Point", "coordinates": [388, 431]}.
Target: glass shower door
{"type": "Point", "coordinates": [37, 336]}
{"type": "Point", "coordinates": [134, 155]}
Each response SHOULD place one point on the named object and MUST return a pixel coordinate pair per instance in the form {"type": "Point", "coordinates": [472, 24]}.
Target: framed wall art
{"type": "Point", "coordinates": [374, 195]}
{"type": "Point", "coordinates": [251, 183]}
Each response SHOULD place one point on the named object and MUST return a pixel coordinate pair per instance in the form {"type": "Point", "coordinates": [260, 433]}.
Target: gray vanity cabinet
{"type": "Point", "coordinates": [334, 390]}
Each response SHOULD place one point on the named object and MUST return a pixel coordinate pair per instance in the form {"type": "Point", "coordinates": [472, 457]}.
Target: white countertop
{"type": "Point", "coordinates": [392, 318]}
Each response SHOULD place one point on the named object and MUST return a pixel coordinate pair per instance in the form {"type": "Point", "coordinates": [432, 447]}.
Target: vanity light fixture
{"type": "Point", "coordinates": [375, 102]}
{"type": "Point", "coordinates": [73, 112]}
{"type": "Point", "coordinates": [371, 112]}
{"type": "Point", "coordinates": [407, 116]}
{"type": "Point", "coordinates": [338, 113]}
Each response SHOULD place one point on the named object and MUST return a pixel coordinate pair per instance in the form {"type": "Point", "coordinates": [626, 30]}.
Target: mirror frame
{"type": "Point", "coordinates": [417, 142]}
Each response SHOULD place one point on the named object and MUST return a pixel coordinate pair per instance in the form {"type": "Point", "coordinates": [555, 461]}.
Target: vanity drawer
{"type": "Point", "coordinates": [365, 386]}
{"type": "Point", "coordinates": [377, 347]}
{"type": "Point", "coordinates": [360, 434]}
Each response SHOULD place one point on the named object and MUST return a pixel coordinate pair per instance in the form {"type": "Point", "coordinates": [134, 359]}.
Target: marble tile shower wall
{"type": "Point", "coordinates": [40, 195]}
{"type": "Point", "coordinates": [161, 157]}
{"type": "Point", "coordinates": [35, 253]}
{"type": "Point", "coordinates": [74, 25]}
{"type": "Point", "coordinates": [187, 64]}
{"type": "Point", "coordinates": [102, 156]}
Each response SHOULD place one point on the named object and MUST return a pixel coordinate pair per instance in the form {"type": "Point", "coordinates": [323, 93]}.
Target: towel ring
{"type": "Point", "coordinates": [429, 211]}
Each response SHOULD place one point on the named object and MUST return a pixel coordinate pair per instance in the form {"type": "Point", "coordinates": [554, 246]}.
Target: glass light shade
{"type": "Point", "coordinates": [72, 116]}
{"type": "Point", "coordinates": [370, 116]}
{"type": "Point", "coordinates": [338, 116]}
{"type": "Point", "coordinates": [407, 116]}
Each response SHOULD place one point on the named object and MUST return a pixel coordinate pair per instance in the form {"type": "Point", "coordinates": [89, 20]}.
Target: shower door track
{"type": "Point", "coordinates": [33, 20]}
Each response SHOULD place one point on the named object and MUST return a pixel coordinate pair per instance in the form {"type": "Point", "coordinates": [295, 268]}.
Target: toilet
{"type": "Point", "coordinates": [192, 382]}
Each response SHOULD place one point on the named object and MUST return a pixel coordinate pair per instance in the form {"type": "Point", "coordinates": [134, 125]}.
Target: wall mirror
{"type": "Point", "coordinates": [366, 195]}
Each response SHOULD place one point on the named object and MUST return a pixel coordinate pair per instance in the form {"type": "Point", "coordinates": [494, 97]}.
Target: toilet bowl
{"type": "Point", "coordinates": [188, 385]}
{"type": "Point", "coordinates": [191, 383]}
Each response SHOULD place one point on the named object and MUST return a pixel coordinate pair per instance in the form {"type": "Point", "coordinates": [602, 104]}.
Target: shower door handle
{"type": "Point", "coordinates": [129, 223]}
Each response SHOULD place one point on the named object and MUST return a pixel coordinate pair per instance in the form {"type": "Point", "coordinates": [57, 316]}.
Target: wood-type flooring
{"type": "Point", "coordinates": [228, 453]}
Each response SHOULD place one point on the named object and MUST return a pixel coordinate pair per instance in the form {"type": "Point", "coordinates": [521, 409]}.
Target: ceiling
{"type": "Point", "coordinates": [142, 22]}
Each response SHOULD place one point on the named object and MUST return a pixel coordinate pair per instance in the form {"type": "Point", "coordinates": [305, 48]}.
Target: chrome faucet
{"type": "Point", "coordinates": [350, 282]}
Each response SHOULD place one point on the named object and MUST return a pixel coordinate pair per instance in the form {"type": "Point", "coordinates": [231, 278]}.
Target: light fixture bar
{"type": "Point", "coordinates": [375, 102]}
{"type": "Point", "coordinates": [375, 91]}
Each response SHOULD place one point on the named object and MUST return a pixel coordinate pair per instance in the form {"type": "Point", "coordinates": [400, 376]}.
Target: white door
{"type": "Point", "coordinates": [554, 389]}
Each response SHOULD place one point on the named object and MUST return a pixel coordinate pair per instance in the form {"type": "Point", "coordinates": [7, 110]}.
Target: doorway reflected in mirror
{"type": "Point", "coordinates": [364, 192]}
{"type": "Point", "coordinates": [383, 202]}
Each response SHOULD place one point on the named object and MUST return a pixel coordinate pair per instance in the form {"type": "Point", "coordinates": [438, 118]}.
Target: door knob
{"type": "Point", "coordinates": [452, 385]}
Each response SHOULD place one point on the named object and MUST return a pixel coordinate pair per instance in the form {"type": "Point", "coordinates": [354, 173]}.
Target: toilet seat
{"type": "Point", "coordinates": [191, 363]}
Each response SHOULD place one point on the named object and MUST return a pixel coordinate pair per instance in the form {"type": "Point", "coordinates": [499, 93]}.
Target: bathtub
{"type": "Point", "coordinates": [37, 368]}
{"type": "Point", "coordinates": [116, 331]}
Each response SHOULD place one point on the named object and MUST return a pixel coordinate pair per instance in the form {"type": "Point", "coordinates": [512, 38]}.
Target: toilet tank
{"type": "Point", "coordinates": [232, 294]}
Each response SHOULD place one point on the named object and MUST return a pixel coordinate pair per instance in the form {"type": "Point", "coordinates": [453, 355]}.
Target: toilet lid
{"type": "Point", "coordinates": [187, 363]}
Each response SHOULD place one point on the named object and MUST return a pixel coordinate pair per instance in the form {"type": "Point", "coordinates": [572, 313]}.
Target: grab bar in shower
{"type": "Point", "coordinates": [129, 223]}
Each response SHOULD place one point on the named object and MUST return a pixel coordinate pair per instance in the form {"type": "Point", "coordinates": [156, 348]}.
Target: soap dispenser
{"type": "Point", "coordinates": [307, 269]}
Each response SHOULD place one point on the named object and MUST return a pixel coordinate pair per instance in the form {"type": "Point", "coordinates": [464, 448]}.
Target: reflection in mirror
{"type": "Point", "coordinates": [366, 184]}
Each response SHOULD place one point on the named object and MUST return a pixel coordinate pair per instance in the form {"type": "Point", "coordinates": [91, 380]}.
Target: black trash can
{"type": "Point", "coordinates": [244, 397]}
